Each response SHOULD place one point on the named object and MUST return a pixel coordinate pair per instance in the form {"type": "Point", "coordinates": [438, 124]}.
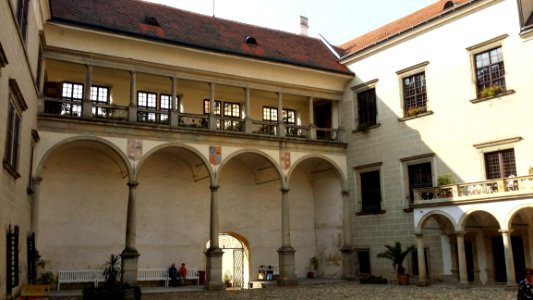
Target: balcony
{"type": "Point", "coordinates": [480, 191]}
{"type": "Point", "coordinates": [153, 97]}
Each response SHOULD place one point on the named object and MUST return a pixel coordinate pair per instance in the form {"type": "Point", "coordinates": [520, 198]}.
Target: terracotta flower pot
{"type": "Point", "coordinates": [403, 279]}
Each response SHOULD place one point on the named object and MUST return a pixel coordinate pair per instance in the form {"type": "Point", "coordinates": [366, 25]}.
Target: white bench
{"type": "Point", "coordinates": [153, 275]}
{"type": "Point", "coordinates": [79, 276]}
{"type": "Point", "coordinates": [193, 274]}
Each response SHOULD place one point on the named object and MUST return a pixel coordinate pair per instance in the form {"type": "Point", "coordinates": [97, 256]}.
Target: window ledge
{"type": "Point", "coordinates": [361, 130]}
{"type": "Point", "coordinates": [9, 168]}
{"type": "Point", "coordinates": [379, 212]}
{"type": "Point", "coordinates": [419, 115]}
{"type": "Point", "coordinates": [526, 31]}
{"type": "Point", "coordinates": [502, 94]}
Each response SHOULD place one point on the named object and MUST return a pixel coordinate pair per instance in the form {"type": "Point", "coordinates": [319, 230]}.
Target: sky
{"type": "Point", "coordinates": [338, 21]}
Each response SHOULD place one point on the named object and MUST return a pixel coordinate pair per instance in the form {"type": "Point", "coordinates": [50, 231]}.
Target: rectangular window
{"type": "Point", "coordinates": [99, 95]}
{"type": "Point", "coordinates": [367, 110]}
{"type": "Point", "coordinates": [12, 137]}
{"type": "Point", "coordinates": [23, 7]}
{"type": "Point", "coordinates": [164, 107]}
{"type": "Point", "coordinates": [364, 260]}
{"type": "Point", "coordinates": [12, 243]}
{"type": "Point", "coordinates": [370, 192]}
{"type": "Point", "coordinates": [271, 114]}
{"type": "Point", "coordinates": [419, 177]}
{"type": "Point", "coordinates": [74, 93]}
{"type": "Point", "coordinates": [207, 104]}
{"type": "Point", "coordinates": [414, 94]}
{"type": "Point", "coordinates": [490, 72]}
{"type": "Point", "coordinates": [500, 164]}
{"type": "Point", "coordinates": [146, 101]}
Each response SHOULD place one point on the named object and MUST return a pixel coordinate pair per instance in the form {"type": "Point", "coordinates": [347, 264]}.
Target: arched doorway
{"type": "Point", "coordinates": [235, 260]}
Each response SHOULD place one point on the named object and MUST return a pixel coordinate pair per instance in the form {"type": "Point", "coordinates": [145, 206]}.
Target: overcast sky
{"type": "Point", "coordinates": [337, 20]}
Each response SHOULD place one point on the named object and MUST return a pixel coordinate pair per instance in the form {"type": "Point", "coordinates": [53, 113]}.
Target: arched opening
{"type": "Point", "coordinates": [235, 260]}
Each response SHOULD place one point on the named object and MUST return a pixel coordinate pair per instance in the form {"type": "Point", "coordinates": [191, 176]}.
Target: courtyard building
{"type": "Point", "coordinates": [168, 136]}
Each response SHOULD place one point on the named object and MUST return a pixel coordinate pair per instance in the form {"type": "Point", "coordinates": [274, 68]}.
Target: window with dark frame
{"type": "Point", "coordinates": [414, 94]}
{"type": "Point", "coordinates": [12, 137]}
{"type": "Point", "coordinates": [370, 192]}
{"type": "Point", "coordinates": [364, 260]}
{"type": "Point", "coordinates": [490, 70]}
{"type": "Point", "coordinates": [74, 93]}
{"type": "Point", "coordinates": [207, 105]}
{"type": "Point", "coordinates": [99, 95]}
{"type": "Point", "coordinates": [419, 177]}
{"type": "Point", "coordinates": [367, 109]}
{"type": "Point", "coordinates": [146, 101]}
{"type": "Point", "coordinates": [500, 164]}
{"type": "Point", "coordinates": [23, 7]}
{"type": "Point", "coordinates": [270, 114]}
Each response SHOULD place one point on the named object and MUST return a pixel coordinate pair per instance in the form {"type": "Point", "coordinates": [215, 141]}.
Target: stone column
{"type": "Point", "coordinates": [421, 257]}
{"type": "Point", "coordinates": [86, 110]}
{"type": "Point", "coordinates": [489, 261]}
{"type": "Point", "coordinates": [509, 261]}
{"type": "Point", "coordinates": [248, 126]}
{"type": "Point", "coordinates": [348, 261]}
{"type": "Point", "coordinates": [36, 187]}
{"type": "Point", "coordinates": [312, 126]}
{"type": "Point", "coordinates": [287, 274]}
{"type": "Point", "coordinates": [281, 125]}
{"type": "Point", "coordinates": [455, 260]}
{"type": "Point", "coordinates": [212, 117]}
{"type": "Point", "coordinates": [174, 105]}
{"type": "Point", "coordinates": [463, 276]}
{"type": "Point", "coordinates": [132, 109]}
{"type": "Point", "coordinates": [130, 254]}
{"type": "Point", "coordinates": [214, 253]}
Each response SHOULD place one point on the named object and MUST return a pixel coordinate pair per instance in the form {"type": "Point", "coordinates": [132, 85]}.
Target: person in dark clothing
{"type": "Point", "coordinates": [525, 288]}
{"type": "Point", "coordinates": [174, 275]}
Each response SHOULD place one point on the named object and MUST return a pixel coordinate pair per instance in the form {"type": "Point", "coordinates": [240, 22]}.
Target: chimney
{"type": "Point", "coordinates": [304, 26]}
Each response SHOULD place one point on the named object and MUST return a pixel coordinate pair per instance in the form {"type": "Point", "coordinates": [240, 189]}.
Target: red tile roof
{"type": "Point", "coordinates": [400, 25]}
{"type": "Point", "coordinates": [132, 17]}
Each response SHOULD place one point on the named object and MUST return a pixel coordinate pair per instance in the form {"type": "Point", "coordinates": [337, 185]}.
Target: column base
{"type": "Point", "coordinates": [422, 283]}
{"type": "Point", "coordinates": [287, 274]}
{"type": "Point", "coordinates": [129, 266]}
{"type": "Point", "coordinates": [213, 280]}
{"type": "Point", "coordinates": [463, 285]}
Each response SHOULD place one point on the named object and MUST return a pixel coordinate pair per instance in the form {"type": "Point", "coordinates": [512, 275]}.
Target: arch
{"type": "Point", "coordinates": [194, 153]}
{"type": "Point", "coordinates": [237, 266]}
{"type": "Point", "coordinates": [123, 161]}
{"type": "Point", "coordinates": [308, 157]}
{"type": "Point", "coordinates": [512, 213]}
{"type": "Point", "coordinates": [276, 168]}
{"type": "Point", "coordinates": [462, 221]}
{"type": "Point", "coordinates": [422, 222]}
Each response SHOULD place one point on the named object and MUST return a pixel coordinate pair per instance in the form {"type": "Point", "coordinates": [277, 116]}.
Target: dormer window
{"type": "Point", "coordinates": [151, 21]}
{"type": "Point", "coordinates": [250, 41]}
{"type": "Point", "coordinates": [449, 5]}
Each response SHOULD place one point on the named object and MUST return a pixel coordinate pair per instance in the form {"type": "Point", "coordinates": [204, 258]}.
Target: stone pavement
{"type": "Point", "coordinates": [332, 289]}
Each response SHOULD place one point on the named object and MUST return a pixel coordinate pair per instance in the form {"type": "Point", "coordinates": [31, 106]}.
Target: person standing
{"type": "Point", "coordinates": [525, 287]}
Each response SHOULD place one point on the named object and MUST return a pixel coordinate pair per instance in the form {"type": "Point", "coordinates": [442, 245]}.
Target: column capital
{"type": "Point", "coordinates": [505, 231]}
{"type": "Point", "coordinates": [459, 233]}
{"type": "Point", "coordinates": [36, 180]}
{"type": "Point", "coordinates": [284, 190]}
{"type": "Point", "coordinates": [133, 184]}
{"type": "Point", "coordinates": [419, 235]}
{"type": "Point", "coordinates": [345, 193]}
{"type": "Point", "coordinates": [214, 188]}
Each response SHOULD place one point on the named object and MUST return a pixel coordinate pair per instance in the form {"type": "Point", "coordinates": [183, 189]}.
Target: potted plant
{"type": "Point", "coordinates": [113, 289]}
{"type": "Point", "coordinates": [227, 279]}
{"type": "Point", "coordinates": [397, 255]}
{"type": "Point", "coordinates": [313, 266]}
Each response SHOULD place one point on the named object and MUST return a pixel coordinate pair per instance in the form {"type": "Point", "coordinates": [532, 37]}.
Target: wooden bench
{"type": "Point", "coordinates": [153, 275]}
{"type": "Point", "coordinates": [79, 276]}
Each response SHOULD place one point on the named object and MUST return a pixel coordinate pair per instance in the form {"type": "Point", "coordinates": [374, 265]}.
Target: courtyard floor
{"type": "Point", "coordinates": [322, 290]}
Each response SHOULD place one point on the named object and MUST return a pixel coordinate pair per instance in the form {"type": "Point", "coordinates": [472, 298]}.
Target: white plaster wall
{"type": "Point", "coordinates": [82, 210]}
{"type": "Point", "coordinates": [172, 212]}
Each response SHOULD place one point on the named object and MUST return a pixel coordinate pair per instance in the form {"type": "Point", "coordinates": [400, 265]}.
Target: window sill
{"type": "Point", "coordinates": [420, 115]}
{"type": "Point", "coordinates": [379, 212]}
{"type": "Point", "coordinates": [502, 94]}
{"type": "Point", "coordinates": [9, 168]}
{"type": "Point", "coordinates": [361, 130]}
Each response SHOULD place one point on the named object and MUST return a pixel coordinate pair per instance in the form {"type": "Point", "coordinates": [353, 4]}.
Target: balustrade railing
{"type": "Point", "coordinates": [476, 190]}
